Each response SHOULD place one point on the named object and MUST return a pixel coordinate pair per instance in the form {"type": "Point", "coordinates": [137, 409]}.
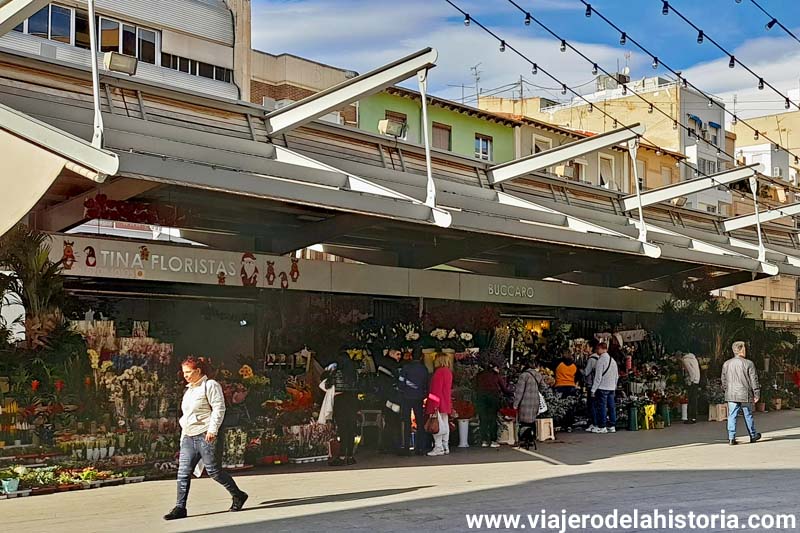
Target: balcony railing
{"type": "Point", "coordinates": [781, 316]}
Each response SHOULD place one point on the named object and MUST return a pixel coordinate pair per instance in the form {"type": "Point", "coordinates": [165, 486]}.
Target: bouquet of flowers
{"type": "Point", "coordinates": [235, 447]}
{"type": "Point", "coordinates": [464, 409]}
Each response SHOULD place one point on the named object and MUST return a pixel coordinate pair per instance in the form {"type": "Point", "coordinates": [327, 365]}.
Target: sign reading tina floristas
{"type": "Point", "coordinates": [88, 256]}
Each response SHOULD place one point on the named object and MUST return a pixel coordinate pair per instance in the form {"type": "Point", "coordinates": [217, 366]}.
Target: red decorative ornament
{"type": "Point", "coordinates": [294, 273]}
{"type": "Point", "coordinates": [101, 206]}
{"type": "Point", "coordinates": [284, 280]}
{"type": "Point", "coordinates": [35, 385]}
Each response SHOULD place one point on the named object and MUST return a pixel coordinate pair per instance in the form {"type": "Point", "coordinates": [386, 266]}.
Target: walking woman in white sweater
{"type": "Point", "coordinates": [203, 409]}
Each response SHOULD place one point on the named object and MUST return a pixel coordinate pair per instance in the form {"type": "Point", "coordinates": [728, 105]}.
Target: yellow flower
{"type": "Point", "coordinates": [106, 366]}
{"type": "Point", "coordinates": [94, 357]}
{"type": "Point", "coordinates": [355, 354]}
{"type": "Point", "coordinates": [246, 371]}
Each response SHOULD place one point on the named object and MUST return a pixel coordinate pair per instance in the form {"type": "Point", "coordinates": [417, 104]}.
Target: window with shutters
{"type": "Point", "coordinates": [442, 136]}
{"type": "Point", "coordinates": [606, 170]}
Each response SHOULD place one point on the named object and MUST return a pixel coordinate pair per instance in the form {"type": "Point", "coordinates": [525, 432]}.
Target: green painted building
{"type": "Point", "coordinates": [454, 127]}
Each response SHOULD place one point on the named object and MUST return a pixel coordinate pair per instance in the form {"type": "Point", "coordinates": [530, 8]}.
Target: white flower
{"type": "Point", "coordinates": [466, 337]}
{"type": "Point", "coordinates": [452, 334]}
{"type": "Point", "coordinates": [412, 336]}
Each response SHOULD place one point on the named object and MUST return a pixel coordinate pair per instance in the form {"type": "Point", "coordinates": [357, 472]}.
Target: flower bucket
{"type": "Point", "coordinates": [777, 404]}
{"type": "Point", "coordinates": [684, 412]}
{"type": "Point", "coordinates": [463, 433]}
{"type": "Point", "coordinates": [10, 485]}
{"type": "Point", "coordinates": [666, 415]}
{"type": "Point", "coordinates": [633, 419]}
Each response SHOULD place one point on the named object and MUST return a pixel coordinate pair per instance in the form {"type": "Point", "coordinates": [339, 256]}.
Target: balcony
{"type": "Point", "coordinates": [781, 316]}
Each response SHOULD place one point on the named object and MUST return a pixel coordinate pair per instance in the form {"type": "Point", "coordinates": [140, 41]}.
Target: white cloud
{"type": "Point", "coordinates": [362, 35]}
{"type": "Point", "coordinates": [776, 59]}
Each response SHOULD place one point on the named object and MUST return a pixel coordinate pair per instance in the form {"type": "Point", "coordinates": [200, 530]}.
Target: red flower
{"type": "Point", "coordinates": [35, 385]}
{"type": "Point", "coordinates": [59, 385]}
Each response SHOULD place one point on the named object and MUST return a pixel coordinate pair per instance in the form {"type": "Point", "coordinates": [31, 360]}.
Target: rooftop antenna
{"type": "Point", "coordinates": [476, 75]}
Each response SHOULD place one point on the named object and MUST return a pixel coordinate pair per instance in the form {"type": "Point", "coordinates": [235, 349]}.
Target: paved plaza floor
{"type": "Point", "coordinates": [683, 468]}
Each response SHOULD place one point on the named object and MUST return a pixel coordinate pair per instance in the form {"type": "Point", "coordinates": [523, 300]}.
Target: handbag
{"type": "Point", "coordinates": [432, 423]}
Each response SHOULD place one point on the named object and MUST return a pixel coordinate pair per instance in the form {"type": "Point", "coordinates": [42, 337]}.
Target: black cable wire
{"type": "Point", "coordinates": [687, 83]}
{"type": "Point", "coordinates": [565, 44]}
{"type": "Point", "coordinates": [703, 36]}
{"type": "Point", "coordinates": [774, 20]}
{"type": "Point", "coordinates": [506, 46]}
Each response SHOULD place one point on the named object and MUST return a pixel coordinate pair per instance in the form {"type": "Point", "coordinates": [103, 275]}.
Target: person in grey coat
{"type": "Point", "coordinates": [740, 381]}
{"type": "Point", "coordinates": [526, 402]}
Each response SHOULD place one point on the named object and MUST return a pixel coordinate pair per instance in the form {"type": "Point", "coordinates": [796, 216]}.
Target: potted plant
{"type": "Point", "coordinates": [9, 478]}
{"type": "Point", "coordinates": [464, 411]}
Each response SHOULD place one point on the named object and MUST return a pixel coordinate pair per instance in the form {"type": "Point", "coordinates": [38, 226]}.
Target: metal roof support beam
{"type": "Point", "coordinates": [532, 163]}
{"type": "Point", "coordinates": [745, 221]}
{"type": "Point", "coordinates": [13, 12]}
{"type": "Point", "coordinates": [574, 223]}
{"type": "Point", "coordinates": [322, 103]}
{"type": "Point", "coordinates": [439, 216]}
{"type": "Point", "coordinates": [701, 246]}
{"type": "Point", "coordinates": [684, 188]}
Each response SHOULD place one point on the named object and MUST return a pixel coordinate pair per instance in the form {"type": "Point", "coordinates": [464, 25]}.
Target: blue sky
{"type": "Point", "coordinates": [362, 34]}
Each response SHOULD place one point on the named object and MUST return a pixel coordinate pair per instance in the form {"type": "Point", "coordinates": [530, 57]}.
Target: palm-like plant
{"type": "Point", "coordinates": [34, 280]}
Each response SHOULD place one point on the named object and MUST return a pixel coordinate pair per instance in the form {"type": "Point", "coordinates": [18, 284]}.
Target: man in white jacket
{"type": "Point", "coordinates": [604, 387]}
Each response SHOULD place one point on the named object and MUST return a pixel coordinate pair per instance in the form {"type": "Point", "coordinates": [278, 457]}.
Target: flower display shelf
{"type": "Point", "coordinates": [238, 468]}
{"type": "Point", "coordinates": [69, 486]}
{"type": "Point", "coordinates": [134, 479]}
{"type": "Point", "coordinates": [303, 460]}
{"type": "Point", "coordinates": [17, 494]}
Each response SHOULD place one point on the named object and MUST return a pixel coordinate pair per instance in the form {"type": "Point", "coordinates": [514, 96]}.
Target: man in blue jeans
{"type": "Point", "coordinates": [740, 381]}
{"type": "Point", "coordinates": [604, 387]}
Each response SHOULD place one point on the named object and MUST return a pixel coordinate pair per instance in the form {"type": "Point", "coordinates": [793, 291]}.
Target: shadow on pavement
{"type": "Point", "coordinates": [736, 490]}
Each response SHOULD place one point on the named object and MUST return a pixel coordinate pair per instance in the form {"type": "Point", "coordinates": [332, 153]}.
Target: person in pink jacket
{"type": "Point", "coordinates": [439, 402]}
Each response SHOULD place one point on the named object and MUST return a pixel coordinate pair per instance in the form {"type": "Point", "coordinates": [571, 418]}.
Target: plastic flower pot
{"type": "Point", "coordinates": [633, 419]}
{"type": "Point", "coordinates": [10, 485]}
{"type": "Point", "coordinates": [666, 415]}
{"type": "Point", "coordinates": [463, 433]}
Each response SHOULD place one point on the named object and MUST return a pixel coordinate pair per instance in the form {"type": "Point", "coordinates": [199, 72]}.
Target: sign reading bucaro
{"type": "Point", "coordinates": [512, 291]}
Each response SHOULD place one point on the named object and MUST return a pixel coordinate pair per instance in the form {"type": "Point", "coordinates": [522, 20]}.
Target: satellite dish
{"type": "Point", "coordinates": [626, 71]}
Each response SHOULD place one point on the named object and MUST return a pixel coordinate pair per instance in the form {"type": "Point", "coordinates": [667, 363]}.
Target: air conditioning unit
{"type": "Point", "coordinates": [777, 172]}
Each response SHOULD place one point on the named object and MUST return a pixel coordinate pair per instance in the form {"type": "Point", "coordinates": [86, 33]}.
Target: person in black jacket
{"type": "Point", "coordinates": [413, 390]}
{"type": "Point", "coordinates": [389, 393]}
{"type": "Point", "coordinates": [341, 373]}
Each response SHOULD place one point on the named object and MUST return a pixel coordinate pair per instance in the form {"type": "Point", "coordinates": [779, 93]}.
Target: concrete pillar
{"type": "Point", "coordinates": [242, 47]}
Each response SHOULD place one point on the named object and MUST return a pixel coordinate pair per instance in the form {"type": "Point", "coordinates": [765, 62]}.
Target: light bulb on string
{"type": "Point", "coordinates": [700, 36]}
{"type": "Point", "coordinates": [563, 45]}
{"type": "Point", "coordinates": [588, 10]}
{"type": "Point", "coordinates": [650, 108]}
{"type": "Point", "coordinates": [502, 46]}
{"type": "Point", "coordinates": [771, 23]}
{"type": "Point", "coordinates": [535, 69]}
{"type": "Point", "coordinates": [467, 19]}
{"type": "Point", "coordinates": [591, 108]}
{"type": "Point", "coordinates": [615, 124]}
{"type": "Point", "coordinates": [732, 62]}
{"type": "Point", "coordinates": [710, 102]}
{"type": "Point", "coordinates": [655, 62]}
{"type": "Point", "coordinates": [735, 120]}
{"type": "Point", "coordinates": [674, 124]}
{"type": "Point", "coordinates": [623, 38]}
{"type": "Point", "coordinates": [527, 19]}
{"type": "Point", "coordinates": [624, 89]}
{"type": "Point", "coordinates": [594, 69]}
{"type": "Point", "coordinates": [787, 104]}
{"type": "Point", "coordinates": [665, 8]}
{"type": "Point", "coordinates": [760, 84]}
{"type": "Point", "coordinates": [563, 88]}
{"type": "Point", "coordinates": [755, 136]}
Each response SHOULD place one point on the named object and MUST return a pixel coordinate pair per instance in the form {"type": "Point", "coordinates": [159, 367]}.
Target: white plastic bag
{"type": "Point", "coordinates": [326, 410]}
{"type": "Point", "coordinates": [542, 404]}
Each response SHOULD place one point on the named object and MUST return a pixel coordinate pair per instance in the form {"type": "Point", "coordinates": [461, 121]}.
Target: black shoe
{"type": "Point", "coordinates": [755, 438]}
{"type": "Point", "coordinates": [690, 422]}
{"type": "Point", "coordinates": [732, 442]}
{"type": "Point", "coordinates": [350, 460]}
{"type": "Point", "coordinates": [238, 502]}
{"type": "Point", "coordinates": [176, 513]}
